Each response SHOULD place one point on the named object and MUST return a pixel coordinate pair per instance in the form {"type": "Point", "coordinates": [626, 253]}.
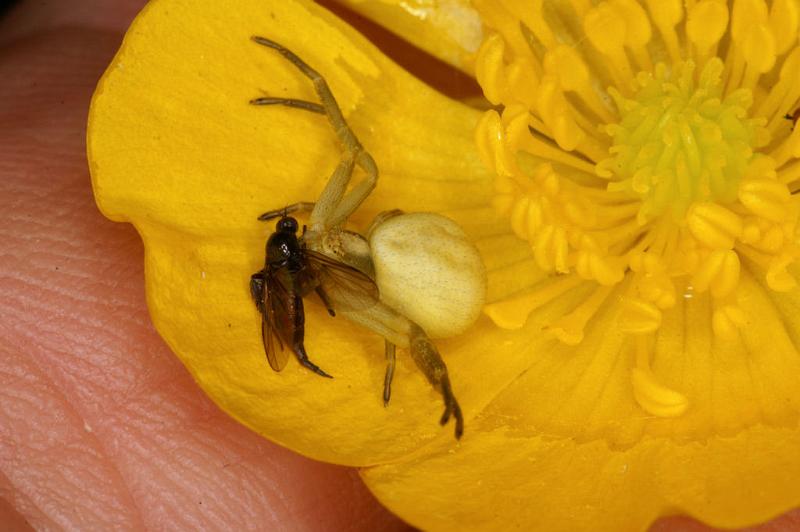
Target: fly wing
{"type": "Point", "coordinates": [275, 315]}
{"type": "Point", "coordinates": [348, 288]}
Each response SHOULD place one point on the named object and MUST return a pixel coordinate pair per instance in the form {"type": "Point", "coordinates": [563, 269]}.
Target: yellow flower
{"type": "Point", "coordinates": [637, 219]}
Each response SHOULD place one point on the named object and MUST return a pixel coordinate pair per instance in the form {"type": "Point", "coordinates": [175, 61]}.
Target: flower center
{"type": "Point", "coordinates": [643, 188]}
{"type": "Point", "coordinates": [679, 142]}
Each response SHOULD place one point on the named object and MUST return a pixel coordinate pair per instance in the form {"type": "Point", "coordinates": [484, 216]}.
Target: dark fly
{"type": "Point", "coordinates": [291, 272]}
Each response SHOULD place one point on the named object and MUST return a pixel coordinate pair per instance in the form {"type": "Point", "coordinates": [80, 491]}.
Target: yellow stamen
{"type": "Point", "coordinates": [513, 313]}
{"type": "Point", "coordinates": [640, 317]}
{"type": "Point", "coordinates": [705, 26]}
{"type": "Point", "coordinates": [666, 15]}
{"type": "Point", "coordinates": [726, 321]}
{"type": "Point", "coordinates": [652, 396]}
{"type": "Point", "coordinates": [713, 225]}
{"type": "Point", "coordinates": [784, 16]}
{"type": "Point", "coordinates": [719, 272]}
{"type": "Point", "coordinates": [569, 328]}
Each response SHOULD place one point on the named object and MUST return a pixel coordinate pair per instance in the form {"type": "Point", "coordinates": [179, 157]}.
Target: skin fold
{"type": "Point", "coordinates": [100, 426]}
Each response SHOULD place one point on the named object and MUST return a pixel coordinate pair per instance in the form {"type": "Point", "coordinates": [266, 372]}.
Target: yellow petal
{"type": "Point", "coordinates": [567, 447]}
{"type": "Point", "coordinates": [176, 149]}
{"type": "Point", "coordinates": [447, 29]}
{"type": "Point", "coordinates": [553, 484]}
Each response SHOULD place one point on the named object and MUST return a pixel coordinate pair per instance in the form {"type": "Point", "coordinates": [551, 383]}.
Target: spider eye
{"type": "Point", "coordinates": [287, 225]}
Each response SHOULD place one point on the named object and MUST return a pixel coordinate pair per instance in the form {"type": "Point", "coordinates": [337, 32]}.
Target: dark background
{"type": "Point", "coordinates": [5, 4]}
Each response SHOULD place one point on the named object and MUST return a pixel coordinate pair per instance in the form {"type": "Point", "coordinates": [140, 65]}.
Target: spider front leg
{"type": "Point", "coordinates": [335, 204]}
{"type": "Point", "coordinates": [427, 358]}
{"type": "Point", "coordinates": [387, 380]}
{"type": "Point", "coordinates": [300, 206]}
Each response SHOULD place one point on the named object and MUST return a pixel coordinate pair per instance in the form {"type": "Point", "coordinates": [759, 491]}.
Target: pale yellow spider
{"type": "Point", "coordinates": [326, 253]}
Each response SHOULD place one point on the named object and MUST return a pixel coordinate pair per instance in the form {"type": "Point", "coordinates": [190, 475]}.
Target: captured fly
{"type": "Point", "coordinates": [292, 271]}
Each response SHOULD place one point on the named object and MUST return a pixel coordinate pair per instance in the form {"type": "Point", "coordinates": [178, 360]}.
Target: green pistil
{"type": "Point", "coordinates": [678, 141]}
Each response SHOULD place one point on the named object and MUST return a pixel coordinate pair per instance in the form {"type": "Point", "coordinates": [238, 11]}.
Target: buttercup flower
{"type": "Point", "coordinates": [633, 198]}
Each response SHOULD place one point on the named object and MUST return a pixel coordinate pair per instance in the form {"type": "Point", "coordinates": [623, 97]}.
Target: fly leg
{"type": "Point", "coordinates": [335, 204]}
{"type": "Point", "coordinates": [300, 351]}
{"type": "Point", "coordinates": [257, 290]}
{"type": "Point", "coordinates": [298, 335]}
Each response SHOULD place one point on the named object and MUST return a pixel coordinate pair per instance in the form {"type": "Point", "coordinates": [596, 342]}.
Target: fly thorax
{"type": "Point", "coordinates": [282, 248]}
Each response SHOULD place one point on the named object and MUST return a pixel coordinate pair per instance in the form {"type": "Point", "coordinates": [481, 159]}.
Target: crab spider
{"type": "Point", "coordinates": [325, 234]}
